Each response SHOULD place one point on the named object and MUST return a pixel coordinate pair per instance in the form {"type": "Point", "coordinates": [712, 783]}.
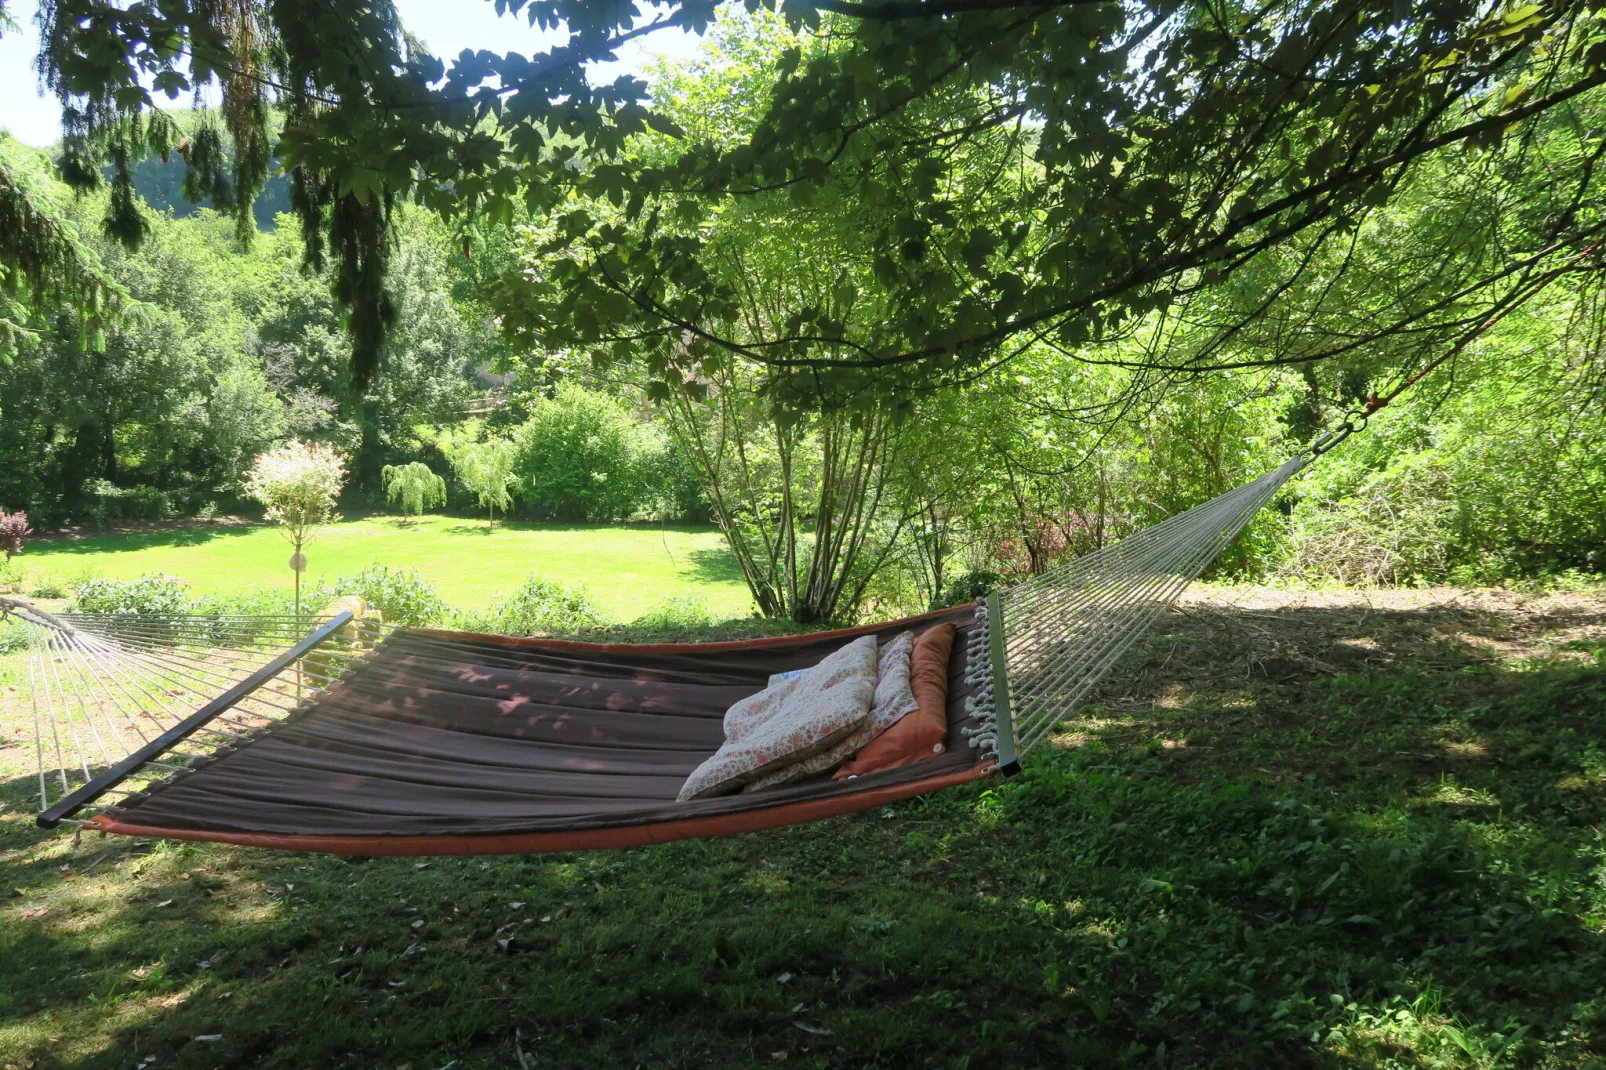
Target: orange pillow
{"type": "Point", "coordinates": [924, 732]}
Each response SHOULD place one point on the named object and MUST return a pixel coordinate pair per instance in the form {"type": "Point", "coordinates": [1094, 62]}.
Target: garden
{"type": "Point", "coordinates": [1246, 366]}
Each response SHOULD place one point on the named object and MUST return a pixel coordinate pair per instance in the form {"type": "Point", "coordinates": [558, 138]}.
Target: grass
{"type": "Point", "coordinates": [1287, 835]}
{"type": "Point", "coordinates": [627, 569]}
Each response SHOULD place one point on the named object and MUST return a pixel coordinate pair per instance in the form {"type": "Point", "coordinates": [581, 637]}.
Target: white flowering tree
{"type": "Point", "coordinates": [298, 483]}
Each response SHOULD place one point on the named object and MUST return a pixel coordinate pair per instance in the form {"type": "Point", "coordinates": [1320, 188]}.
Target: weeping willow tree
{"type": "Point", "coordinates": [414, 486]}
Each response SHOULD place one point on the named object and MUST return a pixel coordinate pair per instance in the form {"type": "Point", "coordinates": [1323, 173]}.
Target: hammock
{"type": "Point", "coordinates": [363, 738]}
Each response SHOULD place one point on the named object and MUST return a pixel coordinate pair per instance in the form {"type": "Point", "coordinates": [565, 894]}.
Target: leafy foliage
{"type": "Point", "coordinates": [43, 261]}
{"type": "Point", "coordinates": [539, 607]}
{"type": "Point", "coordinates": [414, 486]}
{"type": "Point", "coordinates": [678, 612]}
{"type": "Point", "coordinates": [582, 456]}
{"type": "Point", "coordinates": [155, 593]}
{"type": "Point", "coordinates": [485, 469]}
{"type": "Point", "coordinates": [13, 528]}
{"type": "Point", "coordinates": [1205, 142]}
{"type": "Point", "coordinates": [298, 484]}
{"type": "Point", "coordinates": [402, 595]}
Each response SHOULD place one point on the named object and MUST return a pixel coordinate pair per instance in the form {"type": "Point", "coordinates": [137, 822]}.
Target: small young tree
{"type": "Point", "coordinates": [486, 469]}
{"type": "Point", "coordinates": [13, 526]}
{"type": "Point", "coordinates": [298, 483]}
{"type": "Point", "coordinates": [415, 487]}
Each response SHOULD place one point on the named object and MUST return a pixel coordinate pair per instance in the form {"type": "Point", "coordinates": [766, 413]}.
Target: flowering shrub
{"type": "Point", "coordinates": [13, 526]}
{"type": "Point", "coordinates": [298, 483]}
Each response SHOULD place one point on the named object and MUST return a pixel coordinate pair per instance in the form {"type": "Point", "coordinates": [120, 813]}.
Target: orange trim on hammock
{"type": "Point", "coordinates": [796, 813]}
{"type": "Point", "coordinates": [681, 648]}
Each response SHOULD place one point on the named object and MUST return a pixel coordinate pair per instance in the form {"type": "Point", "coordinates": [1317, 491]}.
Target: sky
{"type": "Point", "coordinates": [445, 26]}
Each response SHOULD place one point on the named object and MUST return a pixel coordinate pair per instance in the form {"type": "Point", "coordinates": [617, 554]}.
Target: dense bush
{"type": "Point", "coordinates": [539, 606]}
{"type": "Point", "coordinates": [402, 595]}
{"type": "Point", "coordinates": [155, 593]}
{"type": "Point", "coordinates": [1395, 528]}
{"type": "Point", "coordinates": [972, 585]}
{"type": "Point", "coordinates": [104, 500]}
{"type": "Point", "coordinates": [583, 456]}
{"type": "Point", "coordinates": [13, 527]}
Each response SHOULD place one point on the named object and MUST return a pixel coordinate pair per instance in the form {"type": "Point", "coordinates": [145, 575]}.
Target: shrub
{"type": "Point", "coordinates": [13, 637]}
{"type": "Point", "coordinates": [973, 585]}
{"type": "Point", "coordinates": [582, 456]}
{"type": "Point", "coordinates": [541, 606]}
{"type": "Point", "coordinates": [105, 500]}
{"type": "Point", "coordinates": [48, 587]}
{"type": "Point", "coordinates": [13, 526]}
{"type": "Point", "coordinates": [677, 611]}
{"type": "Point", "coordinates": [156, 593]}
{"type": "Point", "coordinates": [298, 483]}
{"type": "Point", "coordinates": [1395, 528]}
{"type": "Point", "coordinates": [251, 602]}
{"type": "Point", "coordinates": [402, 595]}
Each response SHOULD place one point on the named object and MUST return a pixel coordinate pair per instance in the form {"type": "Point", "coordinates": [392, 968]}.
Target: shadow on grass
{"type": "Point", "coordinates": [130, 542]}
{"type": "Point", "coordinates": [1155, 895]}
{"type": "Point", "coordinates": [712, 566]}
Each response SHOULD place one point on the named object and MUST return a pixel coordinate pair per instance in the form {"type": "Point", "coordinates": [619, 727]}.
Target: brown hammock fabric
{"type": "Point", "coordinates": [454, 743]}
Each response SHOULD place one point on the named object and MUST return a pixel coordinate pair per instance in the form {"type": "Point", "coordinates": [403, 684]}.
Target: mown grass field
{"type": "Point", "coordinates": [626, 569]}
{"type": "Point", "coordinates": [1292, 832]}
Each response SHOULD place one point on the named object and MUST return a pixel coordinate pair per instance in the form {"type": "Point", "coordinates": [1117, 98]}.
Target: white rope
{"type": "Point", "coordinates": [104, 685]}
{"type": "Point", "coordinates": [1064, 629]}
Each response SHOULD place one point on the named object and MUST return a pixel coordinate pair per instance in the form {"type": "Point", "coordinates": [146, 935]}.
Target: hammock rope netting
{"type": "Point", "coordinates": [346, 734]}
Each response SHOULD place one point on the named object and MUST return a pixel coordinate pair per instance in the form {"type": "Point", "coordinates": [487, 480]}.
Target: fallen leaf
{"type": "Point", "coordinates": [515, 905]}
{"type": "Point", "coordinates": [785, 977]}
{"type": "Point", "coordinates": [422, 865]}
{"type": "Point", "coordinates": [165, 903]}
{"type": "Point", "coordinates": [34, 912]}
{"type": "Point", "coordinates": [817, 1030]}
{"type": "Point", "coordinates": [209, 1038]}
{"type": "Point", "coordinates": [419, 924]}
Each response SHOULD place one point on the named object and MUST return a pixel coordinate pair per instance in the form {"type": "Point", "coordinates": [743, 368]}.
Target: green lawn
{"type": "Point", "coordinates": [627, 569]}
{"type": "Point", "coordinates": [1344, 833]}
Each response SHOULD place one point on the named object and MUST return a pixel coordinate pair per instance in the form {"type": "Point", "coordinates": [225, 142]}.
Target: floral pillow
{"type": "Point", "coordinates": [792, 720]}
{"type": "Point", "coordinates": [894, 698]}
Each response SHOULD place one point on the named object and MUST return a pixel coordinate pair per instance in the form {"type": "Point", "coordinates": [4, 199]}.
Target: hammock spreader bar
{"type": "Point", "coordinates": [1003, 726]}
{"type": "Point", "coordinates": [120, 772]}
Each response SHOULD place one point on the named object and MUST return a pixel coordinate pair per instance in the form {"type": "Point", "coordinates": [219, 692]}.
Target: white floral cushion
{"type": "Point", "coordinates": [893, 699]}
{"type": "Point", "coordinates": [793, 719]}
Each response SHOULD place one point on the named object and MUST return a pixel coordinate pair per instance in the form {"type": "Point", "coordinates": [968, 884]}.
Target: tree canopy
{"type": "Point", "coordinates": [1162, 148]}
